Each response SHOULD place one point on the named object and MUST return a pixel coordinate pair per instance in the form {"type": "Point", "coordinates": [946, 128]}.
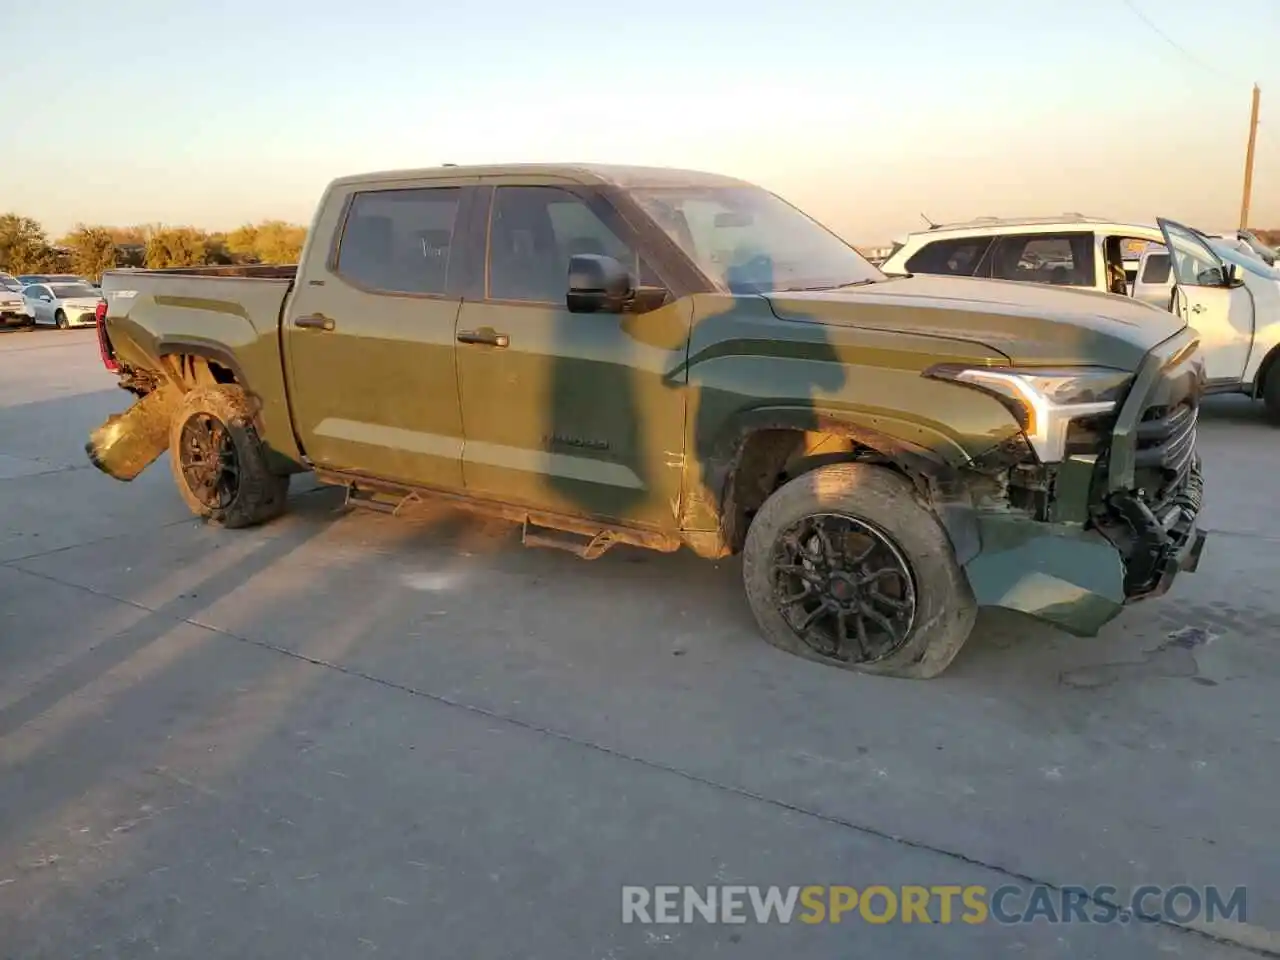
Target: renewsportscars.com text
{"type": "Point", "coordinates": [939, 903]}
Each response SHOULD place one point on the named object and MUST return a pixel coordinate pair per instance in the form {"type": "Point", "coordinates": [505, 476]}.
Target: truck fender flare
{"type": "Point", "coordinates": [926, 468]}
{"type": "Point", "coordinates": [726, 450]}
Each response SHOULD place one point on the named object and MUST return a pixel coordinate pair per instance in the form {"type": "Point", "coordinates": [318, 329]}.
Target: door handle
{"type": "Point", "coordinates": [486, 336]}
{"type": "Point", "coordinates": [316, 321]}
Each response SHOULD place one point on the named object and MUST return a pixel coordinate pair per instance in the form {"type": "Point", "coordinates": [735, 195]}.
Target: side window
{"type": "Point", "coordinates": [35, 292]}
{"type": "Point", "coordinates": [955, 258]}
{"type": "Point", "coordinates": [1157, 269]}
{"type": "Point", "coordinates": [533, 232]}
{"type": "Point", "coordinates": [399, 241]}
{"type": "Point", "coordinates": [1060, 259]}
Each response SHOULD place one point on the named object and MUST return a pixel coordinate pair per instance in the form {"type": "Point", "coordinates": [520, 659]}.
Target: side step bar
{"type": "Point", "coordinates": [585, 538]}
{"type": "Point", "coordinates": [363, 499]}
{"type": "Point", "coordinates": [580, 545]}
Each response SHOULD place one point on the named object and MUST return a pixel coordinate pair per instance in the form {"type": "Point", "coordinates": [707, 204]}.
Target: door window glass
{"type": "Point", "coordinates": [399, 241]}
{"type": "Point", "coordinates": [1060, 259]}
{"type": "Point", "coordinates": [534, 231]}
{"type": "Point", "coordinates": [1157, 269]}
{"type": "Point", "coordinates": [955, 258]}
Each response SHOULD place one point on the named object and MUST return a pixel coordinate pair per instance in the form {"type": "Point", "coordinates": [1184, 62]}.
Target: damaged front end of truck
{"type": "Point", "coordinates": [1095, 505]}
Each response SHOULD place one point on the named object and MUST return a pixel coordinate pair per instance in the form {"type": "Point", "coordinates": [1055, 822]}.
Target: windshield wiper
{"type": "Point", "coordinates": [827, 286]}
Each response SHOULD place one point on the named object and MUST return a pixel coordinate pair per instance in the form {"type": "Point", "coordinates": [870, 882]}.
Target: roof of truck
{"type": "Point", "coordinates": [616, 174]}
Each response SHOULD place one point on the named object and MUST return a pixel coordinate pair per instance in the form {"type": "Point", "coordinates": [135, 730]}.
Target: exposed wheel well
{"type": "Point", "coordinates": [192, 370]}
{"type": "Point", "coordinates": [769, 458]}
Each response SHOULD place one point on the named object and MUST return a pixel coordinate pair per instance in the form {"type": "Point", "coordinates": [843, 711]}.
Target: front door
{"type": "Point", "coordinates": [1220, 310]}
{"type": "Point", "coordinates": [572, 413]}
{"type": "Point", "coordinates": [369, 337]}
{"type": "Point", "coordinates": [40, 302]}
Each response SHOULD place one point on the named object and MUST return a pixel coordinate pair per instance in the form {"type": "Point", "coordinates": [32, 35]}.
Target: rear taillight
{"type": "Point", "coordinates": [104, 342]}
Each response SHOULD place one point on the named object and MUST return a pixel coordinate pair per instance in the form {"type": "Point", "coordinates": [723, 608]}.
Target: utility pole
{"type": "Point", "coordinates": [1248, 160]}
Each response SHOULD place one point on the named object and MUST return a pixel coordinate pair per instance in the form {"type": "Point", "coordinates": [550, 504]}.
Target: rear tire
{"type": "Point", "coordinates": [60, 319]}
{"type": "Point", "coordinates": [219, 463]}
{"type": "Point", "coordinates": [1271, 393]}
{"type": "Point", "coordinates": [845, 507]}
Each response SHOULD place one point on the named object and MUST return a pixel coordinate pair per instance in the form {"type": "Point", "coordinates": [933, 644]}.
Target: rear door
{"type": "Point", "coordinates": [1154, 280]}
{"type": "Point", "coordinates": [39, 301]}
{"type": "Point", "coordinates": [369, 333]}
{"type": "Point", "coordinates": [1219, 310]}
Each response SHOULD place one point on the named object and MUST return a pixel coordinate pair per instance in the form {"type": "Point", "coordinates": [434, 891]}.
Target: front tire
{"type": "Point", "coordinates": [219, 463]}
{"type": "Point", "coordinates": [60, 319]}
{"type": "Point", "coordinates": [845, 565]}
{"type": "Point", "coordinates": [1271, 393]}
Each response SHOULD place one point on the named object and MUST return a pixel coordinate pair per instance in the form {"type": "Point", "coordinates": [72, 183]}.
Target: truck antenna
{"type": "Point", "coordinates": [932, 225]}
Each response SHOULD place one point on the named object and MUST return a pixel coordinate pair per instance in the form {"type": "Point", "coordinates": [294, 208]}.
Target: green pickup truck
{"type": "Point", "coordinates": [667, 358]}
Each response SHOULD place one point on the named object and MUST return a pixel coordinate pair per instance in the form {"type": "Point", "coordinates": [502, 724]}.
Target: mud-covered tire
{"type": "Point", "coordinates": [877, 497]}
{"type": "Point", "coordinates": [259, 494]}
{"type": "Point", "coordinates": [1271, 393]}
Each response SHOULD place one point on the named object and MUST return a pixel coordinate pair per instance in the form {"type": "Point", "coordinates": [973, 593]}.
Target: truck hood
{"type": "Point", "coordinates": [1029, 323]}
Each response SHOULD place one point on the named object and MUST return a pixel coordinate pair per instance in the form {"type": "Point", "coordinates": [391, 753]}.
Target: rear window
{"type": "Point", "coordinates": [65, 291]}
{"type": "Point", "coordinates": [1157, 269]}
{"type": "Point", "coordinates": [399, 241]}
{"type": "Point", "coordinates": [955, 258]}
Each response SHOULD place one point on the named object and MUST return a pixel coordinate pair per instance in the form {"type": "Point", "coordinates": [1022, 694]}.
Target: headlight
{"type": "Point", "coordinates": [1044, 401]}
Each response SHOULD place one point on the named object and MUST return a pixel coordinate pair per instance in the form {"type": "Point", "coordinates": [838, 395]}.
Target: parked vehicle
{"type": "Point", "coordinates": [13, 309]}
{"type": "Point", "coordinates": [665, 358]}
{"type": "Point", "coordinates": [26, 279]}
{"type": "Point", "coordinates": [1246, 241]}
{"type": "Point", "coordinates": [62, 304]}
{"type": "Point", "coordinates": [1231, 297]}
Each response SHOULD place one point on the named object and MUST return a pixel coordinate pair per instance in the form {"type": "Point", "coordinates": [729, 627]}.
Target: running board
{"type": "Point", "coordinates": [580, 545]}
{"type": "Point", "coordinates": [379, 502]}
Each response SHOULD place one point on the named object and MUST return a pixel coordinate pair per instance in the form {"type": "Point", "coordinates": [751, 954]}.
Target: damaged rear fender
{"type": "Point", "coordinates": [127, 443]}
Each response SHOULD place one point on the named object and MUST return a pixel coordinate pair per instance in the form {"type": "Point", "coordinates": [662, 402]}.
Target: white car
{"type": "Point", "coordinates": [1231, 298]}
{"type": "Point", "coordinates": [13, 308]}
{"type": "Point", "coordinates": [62, 305]}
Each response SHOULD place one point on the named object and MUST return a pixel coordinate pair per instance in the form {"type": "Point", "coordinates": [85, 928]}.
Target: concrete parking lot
{"type": "Point", "coordinates": [347, 735]}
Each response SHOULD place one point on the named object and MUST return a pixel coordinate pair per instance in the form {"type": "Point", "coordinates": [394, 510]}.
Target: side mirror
{"type": "Point", "coordinates": [46, 297]}
{"type": "Point", "coordinates": [597, 284]}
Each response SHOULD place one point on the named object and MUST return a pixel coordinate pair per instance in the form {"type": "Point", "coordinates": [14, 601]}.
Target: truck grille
{"type": "Point", "coordinates": [1166, 452]}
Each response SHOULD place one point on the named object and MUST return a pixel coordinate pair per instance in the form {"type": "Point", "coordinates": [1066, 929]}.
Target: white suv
{"type": "Point", "coordinates": [1231, 297]}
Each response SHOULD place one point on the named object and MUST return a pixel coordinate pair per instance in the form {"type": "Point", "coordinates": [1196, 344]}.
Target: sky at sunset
{"type": "Point", "coordinates": [864, 114]}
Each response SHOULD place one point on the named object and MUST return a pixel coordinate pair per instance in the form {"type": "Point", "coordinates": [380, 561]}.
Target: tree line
{"type": "Point", "coordinates": [89, 251]}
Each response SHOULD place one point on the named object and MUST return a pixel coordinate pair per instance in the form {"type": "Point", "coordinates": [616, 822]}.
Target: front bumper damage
{"type": "Point", "coordinates": [1122, 525]}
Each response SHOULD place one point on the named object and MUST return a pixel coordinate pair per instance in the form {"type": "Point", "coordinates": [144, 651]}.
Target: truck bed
{"type": "Point", "coordinates": [227, 316]}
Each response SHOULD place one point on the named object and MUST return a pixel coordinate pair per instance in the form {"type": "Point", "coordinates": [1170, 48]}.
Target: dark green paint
{"type": "Point", "coordinates": [1053, 571]}
{"type": "Point", "coordinates": [636, 419]}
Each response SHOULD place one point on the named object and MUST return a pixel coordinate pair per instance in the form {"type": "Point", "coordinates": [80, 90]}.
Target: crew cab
{"type": "Point", "coordinates": [1229, 294]}
{"type": "Point", "coordinates": [676, 359]}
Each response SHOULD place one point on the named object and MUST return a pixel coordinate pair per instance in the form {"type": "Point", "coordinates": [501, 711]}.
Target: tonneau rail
{"type": "Point", "coordinates": [260, 271]}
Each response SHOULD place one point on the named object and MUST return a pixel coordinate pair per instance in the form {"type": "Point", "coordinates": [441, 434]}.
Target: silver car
{"type": "Point", "coordinates": [62, 304]}
{"type": "Point", "coordinates": [13, 308]}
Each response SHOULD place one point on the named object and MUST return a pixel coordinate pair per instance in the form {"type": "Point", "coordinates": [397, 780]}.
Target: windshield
{"type": "Point", "coordinates": [12, 285]}
{"type": "Point", "coordinates": [64, 291]}
{"type": "Point", "coordinates": [1247, 261]}
{"type": "Point", "coordinates": [746, 240]}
